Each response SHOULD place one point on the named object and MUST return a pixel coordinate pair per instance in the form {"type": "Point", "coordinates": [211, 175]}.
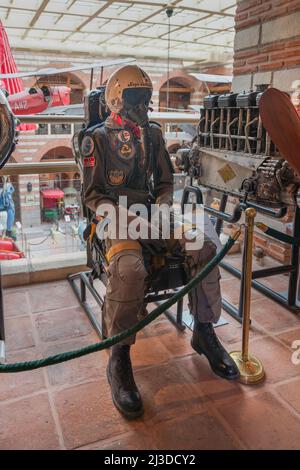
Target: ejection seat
{"type": "Point", "coordinates": [166, 273]}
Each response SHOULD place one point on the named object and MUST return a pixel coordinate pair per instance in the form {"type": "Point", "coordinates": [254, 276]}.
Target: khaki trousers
{"type": "Point", "coordinates": [124, 302]}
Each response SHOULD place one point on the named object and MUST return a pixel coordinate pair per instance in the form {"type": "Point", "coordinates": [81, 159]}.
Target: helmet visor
{"type": "Point", "coordinates": [136, 96]}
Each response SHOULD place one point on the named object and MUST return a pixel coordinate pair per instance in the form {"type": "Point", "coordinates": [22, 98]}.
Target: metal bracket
{"type": "Point", "coordinates": [85, 283]}
{"type": "Point", "coordinates": [289, 299]}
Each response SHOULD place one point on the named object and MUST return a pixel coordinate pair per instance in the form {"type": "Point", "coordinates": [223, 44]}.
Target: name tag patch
{"type": "Point", "coordinates": [89, 161]}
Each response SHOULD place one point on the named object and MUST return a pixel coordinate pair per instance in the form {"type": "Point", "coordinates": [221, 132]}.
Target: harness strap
{"type": "Point", "coordinates": [125, 245]}
{"type": "Point", "coordinates": [93, 231]}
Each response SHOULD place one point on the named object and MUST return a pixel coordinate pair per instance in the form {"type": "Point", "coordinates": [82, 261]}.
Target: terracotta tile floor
{"type": "Point", "coordinates": [68, 406]}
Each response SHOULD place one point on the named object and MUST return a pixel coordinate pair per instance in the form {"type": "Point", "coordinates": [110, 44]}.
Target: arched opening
{"type": "Point", "coordinates": [180, 91]}
{"type": "Point", "coordinates": [65, 79]}
{"type": "Point", "coordinates": [58, 153]}
{"type": "Point", "coordinates": [57, 180]}
{"type": "Point", "coordinates": [66, 186]}
{"type": "Point", "coordinates": [172, 149]}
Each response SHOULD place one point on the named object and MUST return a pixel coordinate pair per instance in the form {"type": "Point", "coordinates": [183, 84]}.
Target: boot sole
{"type": "Point", "coordinates": [217, 372]}
{"type": "Point", "coordinates": [127, 414]}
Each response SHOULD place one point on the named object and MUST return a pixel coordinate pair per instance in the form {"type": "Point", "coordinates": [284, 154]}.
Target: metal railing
{"type": "Point", "coordinates": [161, 118]}
{"type": "Point", "coordinates": [31, 168]}
{"type": "Point", "coordinates": [70, 165]}
{"type": "Point", "coordinates": [50, 119]}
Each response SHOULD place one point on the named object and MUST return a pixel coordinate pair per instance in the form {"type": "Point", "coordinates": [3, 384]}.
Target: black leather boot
{"type": "Point", "coordinates": [125, 394]}
{"type": "Point", "coordinates": [205, 341]}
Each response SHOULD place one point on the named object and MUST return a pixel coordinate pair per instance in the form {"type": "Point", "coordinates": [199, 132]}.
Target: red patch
{"type": "Point", "coordinates": [89, 161]}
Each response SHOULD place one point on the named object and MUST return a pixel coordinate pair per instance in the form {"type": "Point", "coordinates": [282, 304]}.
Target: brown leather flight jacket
{"type": "Point", "coordinates": [118, 165]}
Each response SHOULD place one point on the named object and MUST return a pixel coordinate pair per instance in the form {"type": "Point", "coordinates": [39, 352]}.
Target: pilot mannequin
{"type": "Point", "coordinates": [120, 164]}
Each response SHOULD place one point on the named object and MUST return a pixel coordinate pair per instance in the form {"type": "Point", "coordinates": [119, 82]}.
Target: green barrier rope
{"type": "Point", "coordinates": [67, 356]}
{"type": "Point", "coordinates": [283, 237]}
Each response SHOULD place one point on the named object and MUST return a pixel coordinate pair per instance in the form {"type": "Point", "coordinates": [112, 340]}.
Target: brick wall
{"type": "Point", "coordinates": [267, 44]}
{"type": "Point", "coordinates": [267, 51]}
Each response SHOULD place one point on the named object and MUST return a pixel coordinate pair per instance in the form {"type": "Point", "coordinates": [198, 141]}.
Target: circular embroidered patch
{"type": "Point", "coordinates": [124, 136]}
{"type": "Point", "coordinates": [116, 176]}
{"type": "Point", "coordinates": [126, 151]}
{"type": "Point", "coordinates": [87, 146]}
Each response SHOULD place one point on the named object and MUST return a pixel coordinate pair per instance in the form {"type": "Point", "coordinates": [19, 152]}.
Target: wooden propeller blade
{"type": "Point", "coordinates": [280, 119]}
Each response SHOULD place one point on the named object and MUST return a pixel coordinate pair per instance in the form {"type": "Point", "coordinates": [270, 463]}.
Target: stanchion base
{"type": "Point", "coordinates": [251, 371]}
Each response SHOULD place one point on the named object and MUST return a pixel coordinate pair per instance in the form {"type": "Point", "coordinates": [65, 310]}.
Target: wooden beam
{"type": "Point", "coordinates": [89, 19]}
{"type": "Point", "coordinates": [177, 90]}
{"type": "Point", "coordinates": [110, 18]}
{"type": "Point", "coordinates": [140, 36]}
{"type": "Point", "coordinates": [145, 19]}
{"type": "Point", "coordinates": [40, 10]}
{"type": "Point", "coordinates": [194, 9]}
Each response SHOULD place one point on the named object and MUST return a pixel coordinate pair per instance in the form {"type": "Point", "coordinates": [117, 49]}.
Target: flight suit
{"type": "Point", "coordinates": [120, 167]}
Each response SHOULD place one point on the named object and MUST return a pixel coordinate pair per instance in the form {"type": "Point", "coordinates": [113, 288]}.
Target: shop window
{"type": "Point", "coordinates": [42, 129]}
{"type": "Point", "coordinates": [60, 129]}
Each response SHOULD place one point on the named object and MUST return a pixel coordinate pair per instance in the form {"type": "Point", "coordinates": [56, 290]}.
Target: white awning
{"type": "Point", "coordinates": [206, 77]}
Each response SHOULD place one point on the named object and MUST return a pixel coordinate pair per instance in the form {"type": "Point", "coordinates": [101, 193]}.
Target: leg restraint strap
{"type": "Point", "coordinates": [125, 245]}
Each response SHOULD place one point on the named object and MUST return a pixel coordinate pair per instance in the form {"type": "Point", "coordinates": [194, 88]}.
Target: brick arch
{"type": "Point", "coordinates": [51, 146]}
{"type": "Point", "coordinates": [173, 147]}
{"type": "Point", "coordinates": [182, 78]}
{"type": "Point", "coordinates": [107, 72]}
{"type": "Point", "coordinates": [77, 75]}
{"type": "Point", "coordinates": [192, 82]}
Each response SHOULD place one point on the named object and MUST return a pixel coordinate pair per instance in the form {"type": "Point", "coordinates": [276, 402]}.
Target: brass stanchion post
{"type": "Point", "coordinates": [251, 369]}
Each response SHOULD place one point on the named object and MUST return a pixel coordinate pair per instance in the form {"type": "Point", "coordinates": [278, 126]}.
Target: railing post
{"type": "Point", "coordinates": [251, 369]}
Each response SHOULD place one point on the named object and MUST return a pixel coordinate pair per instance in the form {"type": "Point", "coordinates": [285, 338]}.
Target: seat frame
{"type": "Point", "coordinates": [84, 282]}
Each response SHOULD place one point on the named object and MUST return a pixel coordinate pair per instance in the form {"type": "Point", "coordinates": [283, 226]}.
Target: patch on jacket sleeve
{"type": "Point", "coordinates": [87, 146]}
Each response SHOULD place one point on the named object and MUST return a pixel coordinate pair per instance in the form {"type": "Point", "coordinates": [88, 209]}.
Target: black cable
{"type": "Point", "coordinates": [169, 12]}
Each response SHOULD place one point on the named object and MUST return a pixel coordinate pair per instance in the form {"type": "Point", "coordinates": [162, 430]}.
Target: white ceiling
{"type": "Point", "coordinates": [201, 30]}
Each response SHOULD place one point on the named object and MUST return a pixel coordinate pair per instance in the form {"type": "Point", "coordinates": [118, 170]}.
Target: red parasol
{"type": "Point", "coordinates": [52, 193]}
{"type": "Point", "coordinates": [8, 65]}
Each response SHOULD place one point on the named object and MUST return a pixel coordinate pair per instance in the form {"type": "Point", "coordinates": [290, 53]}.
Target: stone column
{"type": "Point", "coordinates": [30, 206]}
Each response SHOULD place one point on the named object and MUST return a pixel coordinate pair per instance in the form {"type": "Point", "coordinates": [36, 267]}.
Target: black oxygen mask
{"type": "Point", "coordinates": [136, 104]}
